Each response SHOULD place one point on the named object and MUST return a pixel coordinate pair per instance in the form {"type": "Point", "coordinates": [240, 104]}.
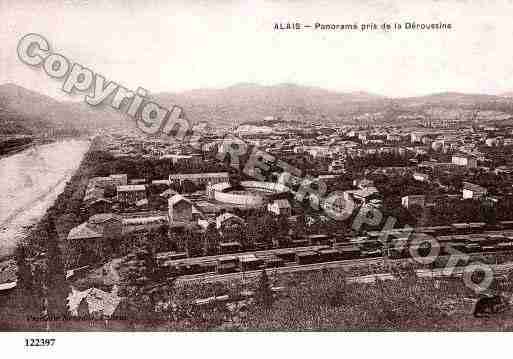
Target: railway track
{"type": "Point", "coordinates": [211, 277]}
{"type": "Point", "coordinates": [261, 254]}
{"type": "Point", "coordinates": [214, 277]}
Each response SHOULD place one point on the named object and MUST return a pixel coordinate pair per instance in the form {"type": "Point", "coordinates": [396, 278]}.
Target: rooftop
{"type": "Point", "coordinates": [82, 231]}
{"type": "Point", "coordinates": [98, 301]}
{"type": "Point", "coordinates": [131, 187]}
{"type": "Point", "coordinates": [473, 187]}
{"type": "Point", "coordinates": [198, 175]}
{"type": "Point", "coordinates": [103, 217]}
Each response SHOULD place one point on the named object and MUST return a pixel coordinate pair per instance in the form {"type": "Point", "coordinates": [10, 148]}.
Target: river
{"type": "Point", "coordinates": [30, 181]}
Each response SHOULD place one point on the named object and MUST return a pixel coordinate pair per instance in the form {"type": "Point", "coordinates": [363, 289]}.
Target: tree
{"type": "Point", "coordinates": [160, 239]}
{"type": "Point", "coordinates": [39, 289]}
{"type": "Point", "coordinates": [267, 227]}
{"type": "Point", "coordinates": [283, 226]}
{"type": "Point", "coordinates": [83, 309]}
{"type": "Point", "coordinates": [251, 233]}
{"type": "Point", "coordinates": [211, 240]}
{"type": "Point", "coordinates": [110, 191]}
{"type": "Point", "coordinates": [235, 180]}
{"type": "Point", "coordinates": [260, 228]}
{"type": "Point", "coordinates": [25, 280]}
{"type": "Point", "coordinates": [488, 212]}
{"type": "Point", "coordinates": [193, 243]}
{"type": "Point", "coordinates": [264, 294]}
{"type": "Point", "coordinates": [188, 187]}
{"type": "Point", "coordinates": [299, 229]}
{"type": "Point", "coordinates": [146, 169]}
{"type": "Point", "coordinates": [57, 287]}
{"type": "Point", "coordinates": [150, 262]}
{"type": "Point", "coordinates": [22, 304]}
{"type": "Point", "coordinates": [134, 286]}
{"type": "Point", "coordinates": [142, 283]}
{"type": "Point", "coordinates": [65, 223]}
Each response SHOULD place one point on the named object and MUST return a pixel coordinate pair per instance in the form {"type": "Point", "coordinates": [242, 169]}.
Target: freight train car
{"type": "Point", "coordinates": [307, 257]}
{"type": "Point", "coordinates": [349, 251]}
{"type": "Point", "coordinates": [329, 255]}
{"type": "Point", "coordinates": [250, 262]}
{"type": "Point", "coordinates": [229, 264]}
{"type": "Point", "coordinates": [274, 262]}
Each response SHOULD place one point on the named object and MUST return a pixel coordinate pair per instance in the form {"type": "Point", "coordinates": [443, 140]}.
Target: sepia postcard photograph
{"type": "Point", "coordinates": [292, 166]}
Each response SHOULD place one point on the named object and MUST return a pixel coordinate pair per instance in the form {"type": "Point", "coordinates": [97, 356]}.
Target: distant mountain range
{"type": "Point", "coordinates": [27, 112]}
{"type": "Point", "coordinates": [246, 103]}
{"type": "Point", "coordinates": [452, 98]}
{"type": "Point", "coordinates": [252, 102]}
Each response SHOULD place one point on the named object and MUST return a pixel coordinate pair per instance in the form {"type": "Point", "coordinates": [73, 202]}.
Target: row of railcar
{"type": "Point", "coordinates": [452, 229]}
{"type": "Point", "coordinates": [447, 245]}
{"type": "Point", "coordinates": [250, 262]}
{"type": "Point", "coordinates": [329, 254]}
{"type": "Point", "coordinates": [331, 239]}
{"type": "Point", "coordinates": [458, 237]}
{"type": "Point", "coordinates": [435, 231]}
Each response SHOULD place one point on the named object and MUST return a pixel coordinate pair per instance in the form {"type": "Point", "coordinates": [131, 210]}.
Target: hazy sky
{"type": "Point", "coordinates": [178, 45]}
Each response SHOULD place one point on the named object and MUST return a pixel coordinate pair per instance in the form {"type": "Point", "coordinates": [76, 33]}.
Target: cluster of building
{"type": "Point", "coordinates": [127, 209]}
{"type": "Point", "coordinates": [117, 205]}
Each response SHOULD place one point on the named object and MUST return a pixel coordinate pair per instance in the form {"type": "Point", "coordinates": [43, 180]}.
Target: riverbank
{"type": "Point", "coordinates": [31, 181]}
{"type": "Point", "coordinates": [10, 145]}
